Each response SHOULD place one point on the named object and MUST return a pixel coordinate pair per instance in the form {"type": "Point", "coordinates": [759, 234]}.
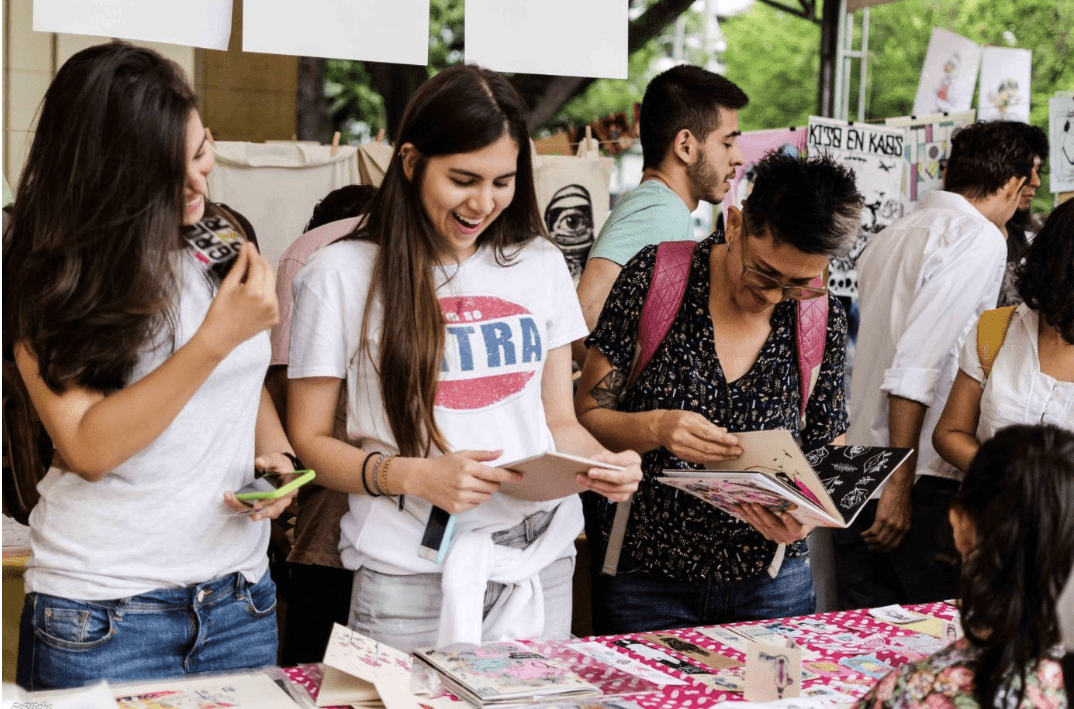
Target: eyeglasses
{"type": "Point", "coordinates": [762, 281]}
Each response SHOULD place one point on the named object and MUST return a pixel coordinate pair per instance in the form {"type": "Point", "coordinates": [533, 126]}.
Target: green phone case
{"type": "Point", "coordinates": [304, 476]}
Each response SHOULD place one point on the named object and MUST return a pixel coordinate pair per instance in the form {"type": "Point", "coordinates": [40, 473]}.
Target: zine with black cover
{"type": "Point", "coordinates": [826, 487]}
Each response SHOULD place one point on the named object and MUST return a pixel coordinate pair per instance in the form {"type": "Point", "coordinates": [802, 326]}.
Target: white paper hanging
{"type": "Point", "coordinates": [395, 31]}
{"type": "Point", "coordinates": [1004, 87]}
{"type": "Point", "coordinates": [949, 74]}
{"type": "Point", "coordinates": [194, 23]}
{"type": "Point", "coordinates": [1061, 138]}
{"type": "Point", "coordinates": [560, 37]}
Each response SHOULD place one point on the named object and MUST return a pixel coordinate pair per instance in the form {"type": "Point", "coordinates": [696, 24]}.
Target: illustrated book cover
{"type": "Point", "coordinates": [826, 487]}
{"type": "Point", "coordinates": [502, 673]}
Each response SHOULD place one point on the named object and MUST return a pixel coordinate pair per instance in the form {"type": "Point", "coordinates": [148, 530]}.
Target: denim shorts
{"type": "Point", "coordinates": [221, 625]}
{"type": "Point", "coordinates": [404, 610]}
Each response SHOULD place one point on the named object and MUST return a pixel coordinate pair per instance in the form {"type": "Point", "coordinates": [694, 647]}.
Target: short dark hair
{"type": "Point", "coordinates": [984, 156]}
{"type": "Point", "coordinates": [811, 203]}
{"type": "Point", "coordinates": [1019, 495]}
{"type": "Point", "coordinates": [684, 96]}
{"type": "Point", "coordinates": [1036, 137]}
{"type": "Point", "coordinates": [343, 203]}
{"type": "Point", "coordinates": [1046, 278]}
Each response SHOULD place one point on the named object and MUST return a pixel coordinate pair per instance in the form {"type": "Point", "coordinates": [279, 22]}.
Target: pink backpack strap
{"type": "Point", "coordinates": [811, 331]}
{"type": "Point", "coordinates": [671, 273]}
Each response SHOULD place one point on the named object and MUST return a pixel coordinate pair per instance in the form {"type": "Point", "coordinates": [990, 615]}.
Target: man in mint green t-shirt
{"type": "Point", "coordinates": [689, 126]}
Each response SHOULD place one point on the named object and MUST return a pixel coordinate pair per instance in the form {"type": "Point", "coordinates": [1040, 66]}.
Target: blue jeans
{"type": "Point", "coordinates": [218, 626]}
{"type": "Point", "coordinates": [639, 601]}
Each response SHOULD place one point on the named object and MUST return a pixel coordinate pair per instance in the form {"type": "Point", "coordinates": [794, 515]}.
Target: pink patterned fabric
{"type": "Point", "coordinates": [842, 641]}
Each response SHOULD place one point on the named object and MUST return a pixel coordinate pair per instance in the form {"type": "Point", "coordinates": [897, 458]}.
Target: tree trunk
{"type": "Point", "coordinates": [396, 83]}
{"type": "Point", "coordinates": [312, 119]}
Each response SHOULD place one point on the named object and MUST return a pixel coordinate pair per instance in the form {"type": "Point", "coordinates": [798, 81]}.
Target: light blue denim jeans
{"type": "Point", "coordinates": [221, 625]}
{"type": "Point", "coordinates": [403, 611]}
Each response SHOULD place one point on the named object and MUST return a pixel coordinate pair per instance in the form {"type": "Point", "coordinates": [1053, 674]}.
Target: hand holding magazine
{"type": "Point", "coordinates": [550, 476]}
{"type": "Point", "coordinates": [826, 487]}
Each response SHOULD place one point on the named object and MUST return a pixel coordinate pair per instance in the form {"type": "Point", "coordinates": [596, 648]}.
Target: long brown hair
{"type": "Point", "coordinates": [460, 110]}
{"type": "Point", "coordinates": [98, 215]}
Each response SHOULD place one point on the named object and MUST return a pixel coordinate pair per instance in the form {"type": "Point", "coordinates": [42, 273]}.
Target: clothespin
{"type": "Point", "coordinates": [380, 136]}
{"type": "Point", "coordinates": [335, 144]}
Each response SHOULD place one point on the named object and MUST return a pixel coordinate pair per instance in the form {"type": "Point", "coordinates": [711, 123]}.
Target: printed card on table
{"type": "Point", "coordinates": [193, 23]}
{"type": "Point", "coordinates": [708, 658]}
{"type": "Point", "coordinates": [360, 669]}
{"type": "Point", "coordinates": [773, 671]}
{"type": "Point", "coordinates": [253, 691]}
{"type": "Point", "coordinates": [394, 31]}
{"type": "Point", "coordinates": [559, 37]}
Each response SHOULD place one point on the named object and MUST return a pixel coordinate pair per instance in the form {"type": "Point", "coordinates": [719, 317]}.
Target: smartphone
{"type": "Point", "coordinates": [437, 537]}
{"type": "Point", "coordinates": [272, 486]}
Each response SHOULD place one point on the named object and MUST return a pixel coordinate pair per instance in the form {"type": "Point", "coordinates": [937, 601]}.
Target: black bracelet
{"type": "Point", "coordinates": [295, 461]}
{"type": "Point", "coordinates": [365, 484]}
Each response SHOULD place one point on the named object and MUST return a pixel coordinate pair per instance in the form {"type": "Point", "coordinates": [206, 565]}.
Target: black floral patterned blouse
{"type": "Point", "coordinates": [671, 532]}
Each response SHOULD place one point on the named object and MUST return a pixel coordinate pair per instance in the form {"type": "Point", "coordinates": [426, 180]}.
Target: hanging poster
{"type": "Point", "coordinates": [561, 37]}
{"type": "Point", "coordinates": [755, 144]}
{"type": "Point", "coordinates": [194, 23]}
{"type": "Point", "coordinates": [1005, 90]}
{"type": "Point", "coordinates": [1061, 137]}
{"type": "Point", "coordinates": [928, 143]}
{"type": "Point", "coordinates": [574, 198]}
{"type": "Point", "coordinates": [395, 31]}
{"type": "Point", "coordinates": [875, 154]}
{"type": "Point", "coordinates": [949, 74]}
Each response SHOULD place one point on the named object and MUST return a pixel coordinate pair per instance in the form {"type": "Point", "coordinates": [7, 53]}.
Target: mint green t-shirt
{"type": "Point", "coordinates": [648, 214]}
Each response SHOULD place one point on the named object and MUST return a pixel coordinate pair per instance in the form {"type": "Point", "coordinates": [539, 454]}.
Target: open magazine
{"type": "Point", "coordinates": [825, 487]}
{"type": "Point", "coordinates": [502, 673]}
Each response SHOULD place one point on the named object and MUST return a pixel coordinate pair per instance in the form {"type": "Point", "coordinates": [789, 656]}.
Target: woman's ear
{"type": "Point", "coordinates": [409, 154]}
{"type": "Point", "coordinates": [733, 227]}
{"type": "Point", "coordinates": [964, 530]}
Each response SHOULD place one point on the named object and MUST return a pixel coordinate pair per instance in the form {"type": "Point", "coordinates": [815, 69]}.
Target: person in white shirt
{"type": "Point", "coordinates": [923, 282]}
{"type": "Point", "coordinates": [448, 317]}
{"type": "Point", "coordinates": [1032, 377]}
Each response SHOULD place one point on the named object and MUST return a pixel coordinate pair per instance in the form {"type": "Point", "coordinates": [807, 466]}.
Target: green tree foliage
{"type": "Point", "coordinates": [775, 58]}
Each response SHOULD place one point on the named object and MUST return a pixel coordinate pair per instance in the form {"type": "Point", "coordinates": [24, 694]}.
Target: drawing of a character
{"type": "Point", "coordinates": [944, 98]}
{"type": "Point", "coordinates": [569, 218]}
{"type": "Point", "coordinates": [781, 676]}
{"type": "Point", "coordinates": [1065, 164]}
{"type": "Point", "coordinates": [1005, 96]}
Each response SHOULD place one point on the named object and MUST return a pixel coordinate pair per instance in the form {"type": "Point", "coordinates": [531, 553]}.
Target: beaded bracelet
{"type": "Point", "coordinates": [384, 481]}
{"type": "Point", "coordinates": [365, 482]}
{"type": "Point", "coordinates": [376, 479]}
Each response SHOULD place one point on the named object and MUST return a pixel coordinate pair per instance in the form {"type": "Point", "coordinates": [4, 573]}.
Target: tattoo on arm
{"type": "Point", "coordinates": [609, 389]}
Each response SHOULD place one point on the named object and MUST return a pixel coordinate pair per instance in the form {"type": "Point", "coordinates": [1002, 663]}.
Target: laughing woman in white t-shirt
{"type": "Point", "coordinates": [449, 318]}
{"type": "Point", "coordinates": [1032, 377]}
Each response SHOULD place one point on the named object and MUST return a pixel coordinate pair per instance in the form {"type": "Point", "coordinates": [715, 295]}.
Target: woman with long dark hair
{"type": "Point", "coordinates": [146, 369]}
{"type": "Point", "coordinates": [1031, 378]}
{"type": "Point", "coordinates": [448, 316]}
{"type": "Point", "coordinates": [1013, 520]}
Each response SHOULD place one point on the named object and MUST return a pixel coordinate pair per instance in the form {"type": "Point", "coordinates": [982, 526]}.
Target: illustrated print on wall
{"type": "Point", "coordinates": [876, 155]}
{"type": "Point", "coordinates": [1005, 84]}
{"type": "Point", "coordinates": [948, 75]}
{"type": "Point", "coordinates": [1061, 136]}
{"type": "Point", "coordinates": [569, 218]}
{"type": "Point", "coordinates": [927, 145]}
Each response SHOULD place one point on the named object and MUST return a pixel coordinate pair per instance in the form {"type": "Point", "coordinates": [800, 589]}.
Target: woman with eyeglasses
{"type": "Point", "coordinates": [728, 364]}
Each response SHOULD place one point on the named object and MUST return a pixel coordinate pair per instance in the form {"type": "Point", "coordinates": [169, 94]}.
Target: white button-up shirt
{"type": "Point", "coordinates": [923, 282]}
{"type": "Point", "coordinates": [1017, 391]}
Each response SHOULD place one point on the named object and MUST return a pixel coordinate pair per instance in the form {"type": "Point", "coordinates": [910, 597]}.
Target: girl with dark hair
{"type": "Point", "coordinates": [146, 370]}
{"type": "Point", "coordinates": [1013, 520]}
{"type": "Point", "coordinates": [449, 319]}
{"type": "Point", "coordinates": [1032, 376]}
